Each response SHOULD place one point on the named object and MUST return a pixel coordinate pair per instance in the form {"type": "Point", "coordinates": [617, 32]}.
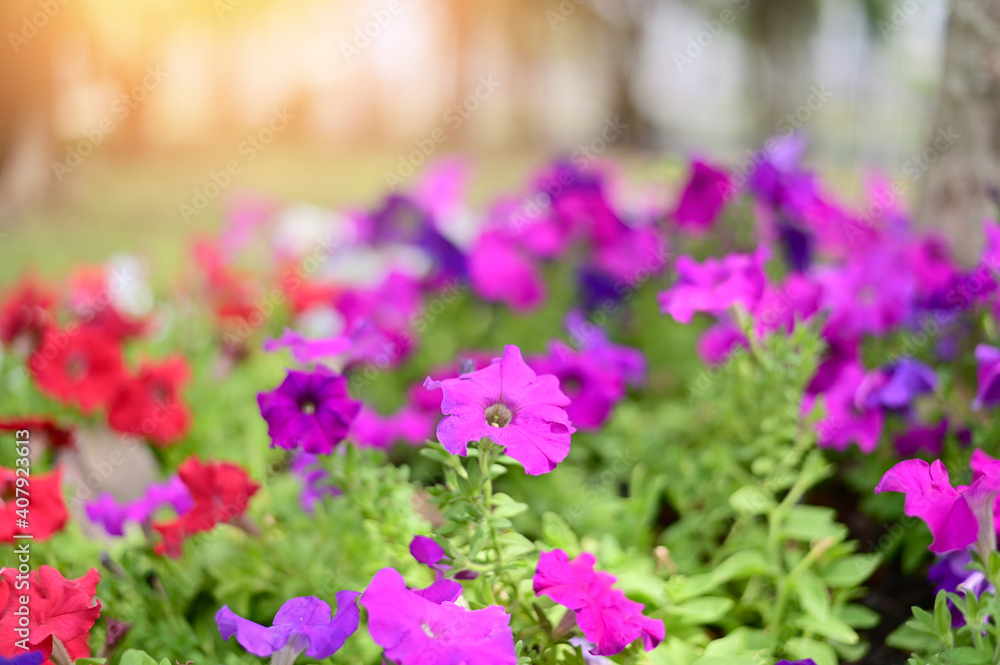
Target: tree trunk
{"type": "Point", "coordinates": [961, 165]}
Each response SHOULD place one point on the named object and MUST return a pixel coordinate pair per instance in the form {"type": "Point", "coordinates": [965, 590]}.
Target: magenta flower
{"type": "Point", "coordinates": [429, 553]}
{"type": "Point", "coordinates": [846, 420]}
{"type": "Point", "coordinates": [987, 376]}
{"type": "Point", "coordinates": [956, 517]}
{"type": "Point", "coordinates": [780, 307]}
{"type": "Point", "coordinates": [714, 286]}
{"type": "Point", "coordinates": [410, 425]}
{"type": "Point", "coordinates": [719, 341]}
{"type": "Point", "coordinates": [872, 293]}
{"type": "Point", "coordinates": [417, 631]}
{"type": "Point", "coordinates": [501, 272]}
{"type": "Point", "coordinates": [112, 515]}
{"type": "Point", "coordinates": [510, 404]}
{"type": "Point", "coordinates": [806, 661]}
{"type": "Point", "coordinates": [703, 197]}
{"type": "Point", "coordinates": [308, 351]}
{"type": "Point", "coordinates": [302, 624]}
{"type": "Point", "coordinates": [627, 362]}
{"type": "Point", "coordinates": [309, 410]}
{"type": "Point", "coordinates": [922, 437]}
{"type": "Point", "coordinates": [592, 387]}
{"type": "Point", "coordinates": [606, 617]}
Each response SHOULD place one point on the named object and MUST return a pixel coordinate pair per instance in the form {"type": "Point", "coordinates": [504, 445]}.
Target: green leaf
{"type": "Point", "coordinates": [136, 657]}
{"type": "Point", "coordinates": [942, 615]}
{"type": "Point", "coordinates": [850, 571]}
{"type": "Point", "coordinates": [557, 533]}
{"type": "Point", "coordinates": [808, 523]}
{"type": "Point", "coordinates": [700, 611]}
{"type": "Point", "coordinates": [514, 544]}
{"type": "Point", "coordinates": [800, 648]}
{"type": "Point", "coordinates": [829, 627]}
{"type": "Point", "coordinates": [813, 596]}
{"type": "Point", "coordinates": [504, 506]}
{"type": "Point", "coordinates": [751, 500]}
{"type": "Point", "coordinates": [857, 616]}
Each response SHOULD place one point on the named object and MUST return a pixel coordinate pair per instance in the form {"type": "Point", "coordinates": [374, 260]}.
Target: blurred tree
{"type": "Point", "coordinates": [961, 165]}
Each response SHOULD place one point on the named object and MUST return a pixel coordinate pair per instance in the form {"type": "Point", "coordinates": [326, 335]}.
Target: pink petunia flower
{"type": "Point", "coordinates": [510, 404]}
{"type": "Point", "coordinates": [416, 631]}
{"type": "Point", "coordinates": [606, 617]}
{"type": "Point", "coordinates": [957, 517]}
{"type": "Point", "coordinates": [714, 286]}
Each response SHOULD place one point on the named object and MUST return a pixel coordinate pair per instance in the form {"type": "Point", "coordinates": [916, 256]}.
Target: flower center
{"type": "Point", "coordinates": [76, 367]}
{"type": "Point", "coordinates": [308, 406]}
{"type": "Point", "coordinates": [498, 415]}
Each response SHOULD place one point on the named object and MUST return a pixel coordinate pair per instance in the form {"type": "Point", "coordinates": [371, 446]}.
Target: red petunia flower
{"type": "Point", "coordinates": [81, 365]}
{"type": "Point", "coordinates": [150, 404]}
{"type": "Point", "coordinates": [46, 429]}
{"type": "Point", "coordinates": [60, 608]}
{"type": "Point", "coordinates": [45, 507]}
{"type": "Point", "coordinates": [25, 312]}
{"type": "Point", "coordinates": [221, 492]}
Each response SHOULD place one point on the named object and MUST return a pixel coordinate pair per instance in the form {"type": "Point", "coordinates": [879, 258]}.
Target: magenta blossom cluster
{"type": "Point", "coordinates": [605, 616]}
{"type": "Point", "coordinates": [511, 405]}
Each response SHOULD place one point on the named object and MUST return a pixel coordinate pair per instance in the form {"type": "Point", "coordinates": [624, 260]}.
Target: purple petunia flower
{"type": "Point", "coordinates": [627, 362]}
{"type": "Point", "coordinates": [603, 613]}
{"type": "Point", "coordinates": [957, 517]}
{"type": "Point", "coordinates": [987, 376]}
{"type": "Point", "coordinates": [703, 197]}
{"type": "Point", "coordinates": [510, 404]}
{"type": "Point", "coordinates": [27, 658]}
{"type": "Point", "coordinates": [714, 286]}
{"type": "Point", "coordinates": [112, 515]}
{"type": "Point", "coordinates": [922, 437]}
{"type": "Point", "coordinates": [314, 479]}
{"type": "Point", "coordinates": [429, 553]}
{"type": "Point", "coordinates": [309, 410]}
{"type": "Point", "coordinates": [416, 631]}
{"type": "Point", "coordinates": [302, 624]}
{"type": "Point", "coordinates": [949, 574]}
{"type": "Point", "coordinates": [895, 386]}
{"type": "Point", "coordinates": [592, 392]}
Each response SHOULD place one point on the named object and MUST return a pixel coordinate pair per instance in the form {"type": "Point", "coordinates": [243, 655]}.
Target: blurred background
{"type": "Point", "coordinates": [116, 114]}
